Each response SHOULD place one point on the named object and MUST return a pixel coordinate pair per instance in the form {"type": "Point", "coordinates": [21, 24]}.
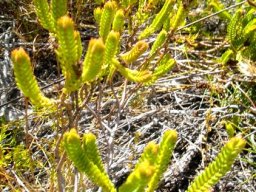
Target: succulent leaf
{"type": "Point", "coordinates": [235, 31]}
{"type": "Point", "coordinates": [179, 17]}
{"type": "Point", "coordinates": [161, 37]}
{"type": "Point", "coordinates": [44, 15]}
{"type": "Point", "coordinates": [106, 19]}
{"type": "Point", "coordinates": [118, 22]}
{"type": "Point", "coordinates": [26, 80]}
{"type": "Point", "coordinates": [112, 43]}
{"type": "Point", "coordinates": [97, 14]}
{"type": "Point", "coordinates": [218, 6]}
{"type": "Point", "coordinates": [69, 52]}
{"type": "Point", "coordinates": [166, 147]}
{"type": "Point", "coordinates": [158, 20]}
{"type": "Point", "coordinates": [143, 171]}
{"type": "Point", "coordinates": [166, 64]}
{"type": "Point", "coordinates": [76, 154]}
{"type": "Point", "coordinates": [94, 60]}
{"type": "Point", "coordinates": [58, 8]}
{"type": "Point", "coordinates": [138, 49]}
{"type": "Point", "coordinates": [219, 167]}
{"type": "Point", "coordinates": [91, 150]}
{"type": "Point", "coordinates": [133, 75]}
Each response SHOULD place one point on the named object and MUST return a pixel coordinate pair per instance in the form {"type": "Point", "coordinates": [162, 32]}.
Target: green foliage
{"type": "Point", "coordinates": [118, 22]}
{"type": "Point", "coordinates": [59, 8]}
{"type": "Point", "coordinates": [112, 45]}
{"type": "Point", "coordinates": [235, 31]}
{"type": "Point", "coordinates": [163, 158]}
{"type": "Point", "coordinates": [125, 3]}
{"type": "Point", "coordinates": [151, 165]}
{"type": "Point", "coordinates": [12, 152]}
{"type": "Point", "coordinates": [145, 10]}
{"type": "Point", "coordinates": [4, 144]}
{"type": "Point", "coordinates": [164, 66]}
{"type": "Point", "coordinates": [68, 45]}
{"type": "Point", "coordinates": [93, 60]}
{"type": "Point", "coordinates": [179, 17]}
{"type": "Point", "coordinates": [91, 150]}
{"type": "Point", "coordinates": [132, 75]}
{"type": "Point", "coordinates": [218, 6]}
{"type": "Point", "coordinates": [97, 14]}
{"type": "Point", "coordinates": [21, 158]}
{"type": "Point", "coordinates": [158, 20]}
{"type": "Point", "coordinates": [103, 57]}
{"type": "Point", "coordinates": [26, 80]}
{"type": "Point", "coordinates": [43, 12]}
{"type": "Point", "coordinates": [137, 50]}
{"type": "Point", "coordinates": [49, 14]}
{"type": "Point", "coordinates": [161, 37]}
{"type": "Point", "coordinates": [143, 171]}
{"type": "Point", "coordinates": [91, 167]}
{"type": "Point", "coordinates": [230, 128]}
{"type": "Point", "coordinates": [219, 167]}
{"type": "Point", "coordinates": [226, 56]}
{"type": "Point", "coordinates": [101, 52]}
{"type": "Point", "coordinates": [147, 172]}
{"type": "Point", "coordinates": [241, 34]}
{"type": "Point", "coordinates": [69, 52]}
{"type": "Point", "coordinates": [106, 19]}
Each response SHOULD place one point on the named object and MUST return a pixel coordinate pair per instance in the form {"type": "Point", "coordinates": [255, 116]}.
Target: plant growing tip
{"type": "Point", "coordinates": [84, 163]}
{"type": "Point", "coordinates": [161, 37]}
{"type": "Point", "coordinates": [158, 20]}
{"type": "Point", "coordinates": [132, 75]}
{"type": "Point", "coordinates": [69, 52]}
{"type": "Point", "coordinates": [112, 45]}
{"type": "Point", "coordinates": [166, 147]}
{"type": "Point", "coordinates": [26, 80]}
{"type": "Point", "coordinates": [106, 19]}
{"type": "Point", "coordinates": [118, 22]}
{"type": "Point", "coordinates": [97, 14]}
{"type": "Point", "coordinates": [94, 60]}
{"type": "Point", "coordinates": [138, 49]}
{"type": "Point", "coordinates": [44, 14]}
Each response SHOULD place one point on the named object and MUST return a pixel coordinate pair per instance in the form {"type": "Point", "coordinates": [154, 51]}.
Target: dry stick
{"type": "Point", "coordinates": [60, 160]}
{"type": "Point", "coordinates": [124, 92]}
{"type": "Point", "coordinates": [113, 131]}
{"type": "Point", "coordinates": [73, 117]}
{"type": "Point", "coordinates": [79, 5]}
{"type": "Point", "coordinates": [99, 99]}
{"type": "Point", "coordinates": [26, 125]}
{"type": "Point", "coordinates": [76, 180]}
{"type": "Point", "coordinates": [19, 181]}
{"type": "Point", "coordinates": [60, 178]}
{"type": "Point", "coordinates": [246, 95]}
{"type": "Point", "coordinates": [102, 124]}
{"type": "Point", "coordinates": [130, 95]}
{"type": "Point", "coordinates": [79, 109]}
